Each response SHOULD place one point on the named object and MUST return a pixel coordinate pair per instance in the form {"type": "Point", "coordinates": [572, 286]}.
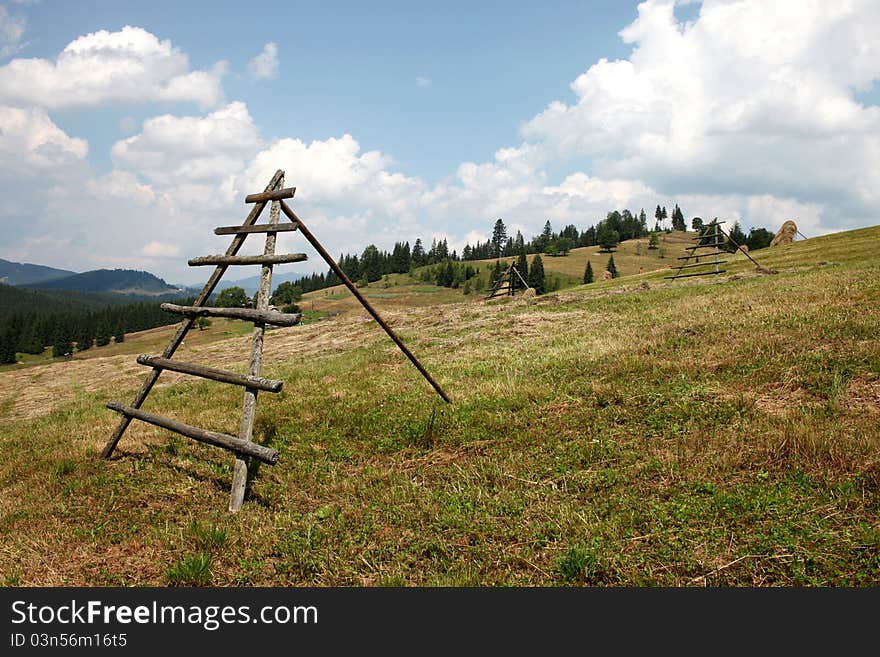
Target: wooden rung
{"type": "Point", "coordinates": [713, 245]}
{"type": "Point", "coordinates": [703, 264]}
{"type": "Point", "coordinates": [248, 260]}
{"type": "Point", "coordinates": [702, 255]}
{"type": "Point", "coordinates": [276, 195]}
{"type": "Point", "coordinates": [257, 382]}
{"type": "Point", "coordinates": [265, 316]}
{"type": "Point", "coordinates": [699, 273]}
{"type": "Point", "coordinates": [258, 228]}
{"type": "Point", "coordinates": [245, 447]}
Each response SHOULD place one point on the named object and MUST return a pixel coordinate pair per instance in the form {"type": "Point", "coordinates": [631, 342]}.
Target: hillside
{"type": "Point", "coordinates": [27, 300]}
{"type": "Point", "coordinates": [252, 283]}
{"type": "Point", "coordinates": [118, 281]}
{"type": "Point", "coordinates": [717, 431]}
{"type": "Point", "coordinates": [24, 273]}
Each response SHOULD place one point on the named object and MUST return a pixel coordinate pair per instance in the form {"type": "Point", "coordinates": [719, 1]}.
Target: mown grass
{"type": "Point", "coordinates": [150, 341]}
{"type": "Point", "coordinates": [719, 432]}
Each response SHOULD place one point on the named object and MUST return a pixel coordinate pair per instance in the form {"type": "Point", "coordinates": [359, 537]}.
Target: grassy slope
{"type": "Point", "coordinates": [634, 432]}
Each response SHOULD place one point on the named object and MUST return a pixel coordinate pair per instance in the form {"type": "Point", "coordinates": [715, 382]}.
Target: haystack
{"type": "Point", "coordinates": [786, 234]}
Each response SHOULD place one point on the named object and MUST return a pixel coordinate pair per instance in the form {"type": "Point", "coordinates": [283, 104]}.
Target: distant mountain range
{"type": "Point", "coordinates": [129, 282]}
{"type": "Point", "coordinates": [23, 273]}
{"type": "Point", "coordinates": [119, 281]}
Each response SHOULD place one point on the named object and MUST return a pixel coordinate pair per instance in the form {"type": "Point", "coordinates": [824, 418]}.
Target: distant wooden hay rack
{"type": "Point", "coordinates": [713, 238]}
{"type": "Point", "coordinates": [507, 284]}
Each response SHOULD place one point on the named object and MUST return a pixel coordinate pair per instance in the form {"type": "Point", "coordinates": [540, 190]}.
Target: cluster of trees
{"type": "Point", "coordinates": [758, 238]}
{"type": "Point", "coordinates": [33, 330]}
{"type": "Point", "coordinates": [615, 228]}
{"type": "Point", "coordinates": [610, 268]}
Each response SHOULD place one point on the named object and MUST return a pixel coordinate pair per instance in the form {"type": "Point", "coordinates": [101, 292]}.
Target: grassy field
{"type": "Point", "coordinates": [717, 431]}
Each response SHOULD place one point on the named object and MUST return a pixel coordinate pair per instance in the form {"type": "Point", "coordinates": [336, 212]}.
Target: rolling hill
{"type": "Point", "coordinates": [24, 273]}
{"type": "Point", "coordinates": [117, 281]}
{"type": "Point", "coordinates": [717, 431]}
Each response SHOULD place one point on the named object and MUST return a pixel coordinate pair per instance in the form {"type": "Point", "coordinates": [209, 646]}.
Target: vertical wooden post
{"type": "Point", "coordinates": [715, 238]}
{"type": "Point", "coordinates": [246, 431]}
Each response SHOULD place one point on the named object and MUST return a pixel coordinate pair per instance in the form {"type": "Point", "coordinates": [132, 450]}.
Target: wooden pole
{"type": "Point", "coordinates": [250, 314]}
{"type": "Point", "coordinates": [187, 324]}
{"type": "Point", "coordinates": [264, 454]}
{"type": "Point", "coordinates": [275, 195]}
{"type": "Point", "coordinates": [345, 280]}
{"type": "Point", "coordinates": [247, 260]}
{"type": "Point", "coordinates": [269, 385]}
{"type": "Point", "coordinates": [249, 406]}
{"type": "Point", "coordinates": [261, 228]}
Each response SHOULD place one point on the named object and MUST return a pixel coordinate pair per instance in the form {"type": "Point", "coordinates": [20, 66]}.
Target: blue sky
{"type": "Point", "coordinates": [355, 67]}
{"type": "Point", "coordinates": [147, 123]}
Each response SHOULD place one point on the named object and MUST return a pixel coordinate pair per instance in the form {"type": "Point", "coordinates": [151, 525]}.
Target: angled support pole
{"type": "Point", "coordinates": [366, 304]}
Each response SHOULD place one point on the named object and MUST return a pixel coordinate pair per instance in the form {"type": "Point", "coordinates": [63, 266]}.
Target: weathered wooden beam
{"type": "Point", "coordinates": [252, 315]}
{"type": "Point", "coordinates": [703, 264]}
{"type": "Point", "coordinates": [275, 195]}
{"type": "Point", "coordinates": [249, 406]}
{"type": "Point", "coordinates": [259, 228]}
{"type": "Point", "coordinates": [703, 255]}
{"type": "Point", "coordinates": [713, 245]}
{"type": "Point", "coordinates": [264, 454]}
{"type": "Point", "coordinates": [701, 273]}
{"type": "Point", "coordinates": [305, 232]}
{"type": "Point", "coordinates": [279, 259]}
{"type": "Point", "coordinates": [276, 181]}
{"type": "Point", "coordinates": [258, 382]}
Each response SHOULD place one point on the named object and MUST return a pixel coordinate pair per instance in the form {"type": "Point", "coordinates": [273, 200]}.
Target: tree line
{"type": "Point", "coordinates": [32, 330]}
{"type": "Point", "coordinates": [617, 226]}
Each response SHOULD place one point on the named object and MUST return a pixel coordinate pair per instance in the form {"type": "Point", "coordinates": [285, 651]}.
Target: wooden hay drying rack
{"type": "Point", "coordinates": [241, 445]}
{"type": "Point", "coordinates": [507, 284]}
{"type": "Point", "coordinates": [713, 237]}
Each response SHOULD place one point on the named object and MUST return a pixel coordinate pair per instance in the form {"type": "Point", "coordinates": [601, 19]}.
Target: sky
{"type": "Point", "coordinates": [129, 130]}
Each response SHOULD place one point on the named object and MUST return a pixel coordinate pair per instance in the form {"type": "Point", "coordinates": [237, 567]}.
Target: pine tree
{"type": "Point", "coordinates": [7, 346]}
{"type": "Point", "coordinates": [536, 276]}
{"type": "Point", "coordinates": [102, 334]}
{"type": "Point", "coordinates": [588, 273]}
{"type": "Point", "coordinates": [607, 238]}
{"type": "Point", "coordinates": [653, 242]}
{"type": "Point", "coordinates": [418, 254]}
{"type": "Point", "coordinates": [499, 237]}
{"type": "Point", "coordinates": [612, 268]}
{"type": "Point", "coordinates": [496, 272]}
{"type": "Point", "coordinates": [84, 337]}
{"type": "Point", "coordinates": [61, 343]}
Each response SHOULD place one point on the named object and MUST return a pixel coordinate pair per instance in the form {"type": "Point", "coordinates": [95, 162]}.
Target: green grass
{"type": "Point", "coordinates": [708, 432]}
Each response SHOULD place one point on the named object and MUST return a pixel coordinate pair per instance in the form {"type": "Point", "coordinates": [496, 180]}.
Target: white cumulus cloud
{"type": "Point", "coordinates": [176, 149]}
{"type": "Point", "coordinates": [30, 142]}
{"type": "Point", "coordinates": [127, 66]}
{"type": "Point", "coordinates": [751, 96]}
{"type": "Point", "coordinates": [265, 65]}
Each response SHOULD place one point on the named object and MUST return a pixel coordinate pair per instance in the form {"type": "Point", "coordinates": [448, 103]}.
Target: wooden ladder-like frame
{"type": "Point", "coordinates": [242, 445]}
